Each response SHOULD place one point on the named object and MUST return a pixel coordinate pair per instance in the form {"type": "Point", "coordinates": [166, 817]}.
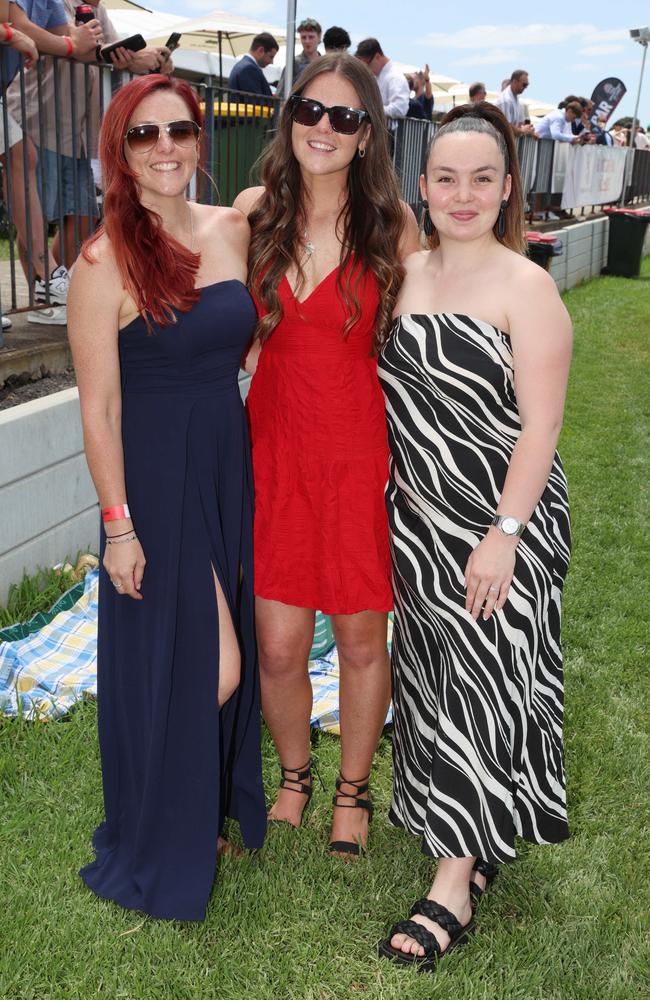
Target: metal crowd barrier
{"type": "Point", "coordinates": [59, 105]}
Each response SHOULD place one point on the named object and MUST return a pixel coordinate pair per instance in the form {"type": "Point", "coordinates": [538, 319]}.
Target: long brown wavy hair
{"type": "Point", "coordinates": [371, 220]}
{"type": "Point", "coordinates": [486, 119]}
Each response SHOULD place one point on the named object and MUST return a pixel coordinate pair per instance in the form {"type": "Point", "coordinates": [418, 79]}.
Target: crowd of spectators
{"type": "Point", "coordinates": [43, 141]}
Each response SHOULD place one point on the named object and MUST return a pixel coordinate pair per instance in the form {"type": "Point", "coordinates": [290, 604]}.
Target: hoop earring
{"type": "Point", "coordinates": [427, 224]}
{"type": "Point", "coordinates": [362, 152]}
{"type": "Point", "coordinates": [501, 220]}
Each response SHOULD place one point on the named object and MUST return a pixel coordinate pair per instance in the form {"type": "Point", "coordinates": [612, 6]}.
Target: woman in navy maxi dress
{"type": "Point", "coordinates": [175, 763]}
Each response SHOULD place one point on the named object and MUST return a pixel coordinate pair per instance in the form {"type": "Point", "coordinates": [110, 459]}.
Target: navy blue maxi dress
{"type": "Point", "coordinates": [174, 766]}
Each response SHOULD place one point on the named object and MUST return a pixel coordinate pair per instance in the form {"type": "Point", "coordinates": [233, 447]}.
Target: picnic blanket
{"type": "Point", "coordinates": [50, 663]}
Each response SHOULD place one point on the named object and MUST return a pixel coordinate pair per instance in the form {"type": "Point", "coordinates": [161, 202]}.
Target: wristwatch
{"type": "Point", "coordinates": [509, 526]}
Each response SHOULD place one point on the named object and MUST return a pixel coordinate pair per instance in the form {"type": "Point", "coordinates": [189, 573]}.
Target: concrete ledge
{"type": "Point", "coordinates": [47, 498]}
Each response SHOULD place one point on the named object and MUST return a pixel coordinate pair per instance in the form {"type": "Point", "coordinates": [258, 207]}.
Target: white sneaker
{"type": "Point", "coordinates": [59, 283]}
{"type": "Point", "coordinates": [6, 322]}
{"type": "Point", "coordinates": [52, 316]}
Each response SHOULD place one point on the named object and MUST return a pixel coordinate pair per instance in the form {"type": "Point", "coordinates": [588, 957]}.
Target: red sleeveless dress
{"type": "Point", "coordinates": [320, 457]}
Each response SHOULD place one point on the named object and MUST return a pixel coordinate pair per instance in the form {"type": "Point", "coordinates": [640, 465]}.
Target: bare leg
{"type": "Point", "coordinates": [285, 635]}
{"type": "Point", "coordinates": [19, 211]}
{"type": "Point", "coordinates": [229, 676]}
{"type": "Point", "coordinates": [364, 697]}
{"type": "Point", "coordinates": [451, 889]}
{"type": "Point", "coordinates": [229, 655]}
{"type": "Point", "coordinates": [69, 246]}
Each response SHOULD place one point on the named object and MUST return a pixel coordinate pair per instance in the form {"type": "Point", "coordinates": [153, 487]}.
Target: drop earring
{"type": "Point", "coordinates": [501, 220]}
{"type": "Point", "coordinates": [427, 224]}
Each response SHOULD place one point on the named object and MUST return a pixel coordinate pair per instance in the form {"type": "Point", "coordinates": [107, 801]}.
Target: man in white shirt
{"type": "Point", "coordinates": [392, 83]}
{"type": "Point", "coordinates": [508, 102]}
{"type": "Point", "coordinates": [557, 124]}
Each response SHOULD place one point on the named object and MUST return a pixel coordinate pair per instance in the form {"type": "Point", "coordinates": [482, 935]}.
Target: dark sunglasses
{"type": "Point", "coordinates": [142, 138]}
{"type": "Point", "coordinates": [347, 121]}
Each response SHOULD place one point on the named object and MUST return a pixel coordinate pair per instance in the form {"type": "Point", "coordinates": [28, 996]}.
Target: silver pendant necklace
{"type": "Point", "coordinates": [310, 249]}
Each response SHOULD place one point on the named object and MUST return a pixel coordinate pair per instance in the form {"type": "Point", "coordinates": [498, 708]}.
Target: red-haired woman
{"type": "Point", "coordinates": [328, 230]}
{"type": "Point", "coordinates": [158, 317]}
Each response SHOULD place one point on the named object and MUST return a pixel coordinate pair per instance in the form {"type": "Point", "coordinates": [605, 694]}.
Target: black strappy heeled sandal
{"type": "Point", "coordinates": [340, 801]}
{"type": "Point", "coordinates": [433, 952]}
{"type": "Point", "coordinates": [489, 872]}
{"type": "Point", "coordinates": [295, 783]}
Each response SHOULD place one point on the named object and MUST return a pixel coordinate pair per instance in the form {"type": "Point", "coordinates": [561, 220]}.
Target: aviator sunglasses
{"type": "Point", "coordinates": [142, 138]}
{"type": "Point", "coordinates": [347, 121]}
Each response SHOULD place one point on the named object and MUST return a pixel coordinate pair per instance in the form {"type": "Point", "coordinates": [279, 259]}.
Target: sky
{"type": "Point", "coordinates": [566, 48]}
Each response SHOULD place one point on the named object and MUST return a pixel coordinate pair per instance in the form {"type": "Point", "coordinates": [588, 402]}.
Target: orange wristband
{"type": "Point", "coordinates": [9, 32]}
{"type": "Point", "coordinates": [69, 45]}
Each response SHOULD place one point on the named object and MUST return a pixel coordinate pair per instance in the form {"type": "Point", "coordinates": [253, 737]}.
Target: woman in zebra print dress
{"type": "Point", "coordinates": [474, 375]}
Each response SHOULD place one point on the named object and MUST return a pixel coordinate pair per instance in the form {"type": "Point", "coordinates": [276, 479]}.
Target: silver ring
{"type": "Point", "coordinates": [118, 586]}
{"type": "Point", "coordinates": [494, 589]}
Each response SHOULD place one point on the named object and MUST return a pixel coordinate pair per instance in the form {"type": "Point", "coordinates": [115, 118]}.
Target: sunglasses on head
{"type": "Point", "coordinates": [142, 138]}
{"type": "Point", "coordinates": [305, 111]}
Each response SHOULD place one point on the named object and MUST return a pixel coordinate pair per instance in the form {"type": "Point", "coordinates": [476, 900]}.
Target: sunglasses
{"type": "Point", "coordinates": [142, 138]}
{"type": "Point", "coordinates": [347, 121]}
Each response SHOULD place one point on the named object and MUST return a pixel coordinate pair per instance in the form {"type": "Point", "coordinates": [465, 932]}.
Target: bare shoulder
{"type": "Point", "coordinates": [98, 275]}
{"type": "Point", "coordinates": [416, 262]}
{"type": "Point", "coordinates": [228, 223]}
{"type": "Point", "coordinates": [534, 305]}
{"type": "Point", "coordinates": [248, 199]}
{"type": "Point", "coordinates": [410, 237]}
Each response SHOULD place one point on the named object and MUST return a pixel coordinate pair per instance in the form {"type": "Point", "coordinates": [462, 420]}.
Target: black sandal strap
{"type": "Point", "coordinates": [301, 774]}
{"type": "Point", "coordinates": [344, 847]}
{"type": "Point", "coordinates": [439, 914]}
{"type": "Point", "coordinates": [420, 934]}
{"type": "Point", "coordinates": [486, 868]}
{"type": "Point", "coordinates": [351, 800]}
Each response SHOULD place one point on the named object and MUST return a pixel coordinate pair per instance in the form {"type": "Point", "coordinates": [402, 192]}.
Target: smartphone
{"type": "Point", "coordinates": [133, 43]}
{"type": "Point", "coordinates": [173, 41]}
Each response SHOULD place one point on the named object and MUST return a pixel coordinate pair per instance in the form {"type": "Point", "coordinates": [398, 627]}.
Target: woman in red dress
{"type": "Point", "coordinates": [328, 234]}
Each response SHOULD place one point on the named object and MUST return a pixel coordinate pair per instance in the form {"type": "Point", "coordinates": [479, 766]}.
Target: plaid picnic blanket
{"type": "Point", "coordinates": [49, 663]}
{"type": "Point", "coordinates": [44, 672]}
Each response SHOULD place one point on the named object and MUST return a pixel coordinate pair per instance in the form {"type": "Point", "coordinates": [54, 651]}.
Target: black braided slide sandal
{"type": "Point", "coordinates": [489, 871]}
{"type": "Point", "coordinates": [440, 915]}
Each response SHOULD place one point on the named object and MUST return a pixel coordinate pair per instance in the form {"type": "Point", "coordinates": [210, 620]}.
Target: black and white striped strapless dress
{"type": "Point", "coordinates": [478, 706]}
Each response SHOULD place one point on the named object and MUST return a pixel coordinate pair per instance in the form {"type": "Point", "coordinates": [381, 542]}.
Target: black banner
{"type": "Point", "coordinates": [607, 96]}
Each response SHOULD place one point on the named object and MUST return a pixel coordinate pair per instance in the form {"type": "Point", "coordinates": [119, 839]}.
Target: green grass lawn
{"type": "Point", "coordinates": [565, 923]}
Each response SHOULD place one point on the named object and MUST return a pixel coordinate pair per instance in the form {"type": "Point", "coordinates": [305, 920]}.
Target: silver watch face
{"type": "Point", "coordinates": [510, 525]}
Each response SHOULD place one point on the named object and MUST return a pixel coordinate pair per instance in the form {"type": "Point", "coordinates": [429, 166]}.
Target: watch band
{"type": "Point", "coordinates": [508, 525]}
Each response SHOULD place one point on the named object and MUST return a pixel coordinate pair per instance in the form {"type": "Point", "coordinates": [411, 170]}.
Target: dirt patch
{"type": "Point", "coordinates": [33, 385]}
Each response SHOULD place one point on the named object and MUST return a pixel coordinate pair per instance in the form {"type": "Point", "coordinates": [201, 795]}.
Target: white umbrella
{"type": "Point", "coordinates": [219, 31]}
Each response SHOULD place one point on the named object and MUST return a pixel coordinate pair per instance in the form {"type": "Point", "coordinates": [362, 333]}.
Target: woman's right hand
{"type": "Point", "coordinates": [124, 562]}
{"type": "Point", "coordinates": [251, 358]}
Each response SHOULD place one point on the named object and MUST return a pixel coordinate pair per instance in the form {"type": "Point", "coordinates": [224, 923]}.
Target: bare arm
{"type": "Point", "coordinates": [540, 330]}
{"type": "Point", "coordinates": [93, 315]}
{"type": "Point", "coordinates": [84, 38]}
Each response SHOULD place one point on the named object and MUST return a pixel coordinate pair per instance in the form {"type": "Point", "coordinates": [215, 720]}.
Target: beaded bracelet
{"type": "Point", "coordinates": [120, 541]}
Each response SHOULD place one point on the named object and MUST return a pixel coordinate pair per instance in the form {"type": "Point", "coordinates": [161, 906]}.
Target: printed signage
{"type": "Point", "coordinates": [607, 96]}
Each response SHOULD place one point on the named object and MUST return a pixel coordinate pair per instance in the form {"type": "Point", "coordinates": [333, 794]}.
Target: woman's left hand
{"type": "Point", "coordinates": [488, 574]}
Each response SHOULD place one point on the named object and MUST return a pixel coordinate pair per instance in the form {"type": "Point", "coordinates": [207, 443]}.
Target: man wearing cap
{"type": "Point", "coordinates": [310, 33]}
